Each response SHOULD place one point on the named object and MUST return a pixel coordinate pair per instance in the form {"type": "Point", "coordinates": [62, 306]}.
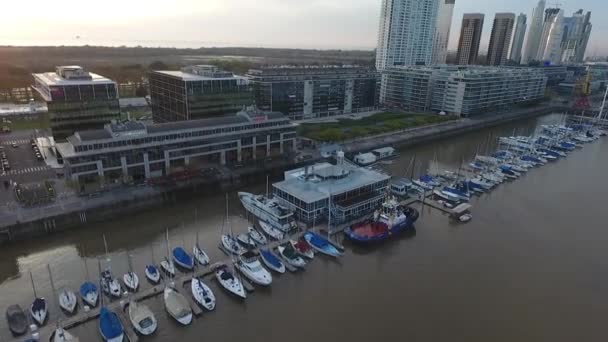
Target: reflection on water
{"type": "Point", "coordinates": [531, 266]}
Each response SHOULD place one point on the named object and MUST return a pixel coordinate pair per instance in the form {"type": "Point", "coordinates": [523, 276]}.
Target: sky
{"type": "Point", "coordinates": [322, 24]}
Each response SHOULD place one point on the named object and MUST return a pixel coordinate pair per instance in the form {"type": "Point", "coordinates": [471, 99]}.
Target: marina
{"type": "Point", "coordinates": [314, 269]}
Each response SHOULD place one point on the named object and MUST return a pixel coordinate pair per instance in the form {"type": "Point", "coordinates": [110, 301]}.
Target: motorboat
{"type": "Point", "coordinates": [271, 231]}
{"type": "Point", "coordinates": [423, 185]}
{"type": "Point", "coordinates": [257, 236]}
{"type": "Point", "coordinates": [110, 285]}
{"type": "Point", "coordinates": [389, 220]}
{"type": "Point", "coordinates": [271, 261]}
{"type": "Point", "coordinates": [131, 281]}
{"type": "Point", "coordinates": [168, 267]}
{"type": "Point", "coordinates": [62, 335]}
{"type": "Point", "coordinates": [229, 282]}
{"type": "Point", "coordinates": [202, 294]}
{"type": "Point", "coordinates": [249, 265]}
{"type": "Point", "coordinates": [292, 256]}
{"type": "Point", "coordinates": [89, 293]}
{"type": "Point", "coordinates": [269, 210]}
{"type": "Point", "coordinates": [321, 244]}
{"type": "Point", "coordinates": [17, 320]}
{"type": "Point", "coordinates": [68, 301]}
{"type": "Point", "coordinates": [303, 248]}
{"type": "Point", "coordinates": [400, 187]}
{"type": "Point", "coordinates": [182, 258]}
{"type": "Point", "coordinates": [152, 274]}
{"type": "Point", "coordinates": [142, 318]}
{"type": "Point", "coordinates": [110, 328]}
{"type": "Point", "coordinates": [231, 245]}
{"type": "Point", "coordinates": [39, 310]}
{"type": "Point", "coordinates": [177, 306]}
{"type": "Point", "coordinates": [246, 241]}
{"type": "Point", "coordinates": [462, 213]}
{"type": "Point", "coordinates": [199, 255]}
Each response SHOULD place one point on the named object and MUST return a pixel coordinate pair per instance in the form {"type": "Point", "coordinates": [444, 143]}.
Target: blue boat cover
{"type": "Point", "coordinates": [86, 288]}
{"type": "Point", "coordinates": [182, 257]}
{"type": "Point", "coordinates": [270, 258]}
{"type": "Point", "coordinates": [321, 243]}
{"type": "Point", "coordinates": [151, 269]}
{"type": "Point", "coordinates": [109, 324]}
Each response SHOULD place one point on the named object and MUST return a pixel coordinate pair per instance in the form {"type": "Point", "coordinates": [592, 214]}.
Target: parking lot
{"type": "Point", "coordinates": [20, 161]}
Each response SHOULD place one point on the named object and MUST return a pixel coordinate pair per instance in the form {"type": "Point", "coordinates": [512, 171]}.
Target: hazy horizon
{"type": "Point", "coordinates": [316, 24]}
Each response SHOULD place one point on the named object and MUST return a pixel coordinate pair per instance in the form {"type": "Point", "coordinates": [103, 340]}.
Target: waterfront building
{"type": "Point", "coordinates": [502, 29]}
{"type": "Point", "coordinates": [197, 92]}
{"type": "Point", "coordinates": [550, 50]}
{"type": "Point", "coordinates": [477, 90]}
{"type": "Point", "coordinates": [135, 150]}
{"type": "Point", "coordinates": [77, 99]}
{"type": "Point", "coordinates": [442, 31]}
{"type": "Point", "coordinates": [351, 191]}
{"type": "Point", "coordinates": [577, 30]}
{"type": "Point", "coordinates": [405, 35]}
{"type": "Point", "coordinates": [315, 91]}
{"type": "Point", "coordinates": [407, 88]}
{"type": "Point", "coordinates": [534, 33]}
{"type": "Point", "coordinates": [518, 38]}
{"type": "Point", "coordinates": [461, 90]}
{"type": "Point", "coordinates": [470, 37]}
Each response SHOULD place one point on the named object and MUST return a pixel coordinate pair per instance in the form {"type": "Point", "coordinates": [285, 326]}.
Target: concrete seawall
{"type": "Point", "coordinates": [58, 217]}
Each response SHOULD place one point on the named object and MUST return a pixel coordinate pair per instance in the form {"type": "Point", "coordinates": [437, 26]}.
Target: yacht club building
{"type": "Point", "coordinates": [135, 150]}
{"type": "Point", "coordinates": [352, 191]}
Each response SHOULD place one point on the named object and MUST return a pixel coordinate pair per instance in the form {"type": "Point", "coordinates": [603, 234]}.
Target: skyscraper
{"type": "Point", "coordinates": [518, 38]}
{"type": "Point", "coordinates": [470, 35]}
{"type": "Point", "coordinates": [500, 38]}
{"type": "Point", "coordinates": [550, 50]}
{"type": "Point", "coordinates": [534, 33]}
{"type": "Point", "coordinates": [577, 29]}
{"type": "Point", "coordinates": [442, 31]}
{"type": "Point", "coordinates": [405, 36]}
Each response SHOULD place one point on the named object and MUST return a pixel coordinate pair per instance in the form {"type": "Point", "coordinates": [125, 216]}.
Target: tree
{"type": "Point", "coordinates": [158, 65]}
{"type": "Point", "coordinates": [141, 91]}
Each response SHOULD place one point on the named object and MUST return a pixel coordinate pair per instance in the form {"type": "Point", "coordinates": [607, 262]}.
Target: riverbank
{"type": "Point", "coordinates": [76, 212]}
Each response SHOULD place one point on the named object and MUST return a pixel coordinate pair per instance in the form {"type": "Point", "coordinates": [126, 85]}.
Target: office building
{"type": "Point", "coordinates": [470, 36]}
{"type": "Point", "coordinates": [550, 50]}
{"type": "Point", "coordinates": [405, 35]}
{"type": "Point", "coordinates": [502, 30]}
{"type": "Point", "coordinates": [407, 88]}
{"type": "Point", "coordinates": [77, 99]}
{"type": "Point", "coordinates": [197, 92]}
{"type": "Point", "coordinates": [577, 30]}
{"type": "Point", "coordinates": [442, 31]}
{"type": "Point", "coordinates": [350, 191]}
{"type": "Point", "coordinates": [518, 38]}
{"type": "Point", "coordinates": [534, 33]}
{"type": "Point", "coordinates": [135, 151]}
{"type": "Point", "coordinates": [314, 92]}
{"type": "Point", "coordinates": [463, 90]}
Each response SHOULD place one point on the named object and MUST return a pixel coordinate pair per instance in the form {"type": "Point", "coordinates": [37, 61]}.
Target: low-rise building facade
{"type": "Point", "coordinates": [136, 151]}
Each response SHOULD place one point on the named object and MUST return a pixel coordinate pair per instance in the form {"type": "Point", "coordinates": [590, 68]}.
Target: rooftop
{"type": "Point", "coordinates": [70, 75]}
{"type": "Point", "coordinates": [317, 182]}
{"type": "Point", "coordinates": [201, 73]}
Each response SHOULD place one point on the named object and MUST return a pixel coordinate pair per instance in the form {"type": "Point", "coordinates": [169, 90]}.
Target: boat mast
{"type": "Point", "coordinates": [267, 187]}
{"type": "Point", "coordinates": [105, 244]}
{"type": "Point", "coordinates": [33, 286]}
{"type": "Point", "coordinates": [86, 267]}
{"type": "Point", "coordinates": [600, 114]}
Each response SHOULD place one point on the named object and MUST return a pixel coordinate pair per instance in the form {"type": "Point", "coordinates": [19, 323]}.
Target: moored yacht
{"type": "Point", "coordinates": [268, 210]}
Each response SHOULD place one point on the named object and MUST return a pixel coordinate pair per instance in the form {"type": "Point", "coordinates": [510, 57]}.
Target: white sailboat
{"type": "Point", "coordinates": [292, 256]}
{"type": "Point", "coordinates": [167, 264]}
{"type": "Point", "coordinates": [68, 301]}
{"type": "Point", "coordinates": [229, 281]}
{"type": "Point", "coordinates": [199, 254]}
{"type": "Point", "coordinates": [142, 318]}
{"type": "Point", "coordinates": [60, 334]}
{"type": "Point", "coordinates": [228, 241]}
{"type": "Point", "coordinates": [256, 236]}
{"type": "Point", "coordinates": [175, 303]}
{"type": "Point", "coordinates": [39, 308]}
{"type": "Point", "coordinates": [109, 284]}
{"type": "Point", "coordinates": [203, 294]}
{"type": "Point", "coordinates": [130, 279]}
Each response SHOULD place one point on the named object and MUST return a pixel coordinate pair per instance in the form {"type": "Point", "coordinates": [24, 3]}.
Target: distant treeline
{"type": "Point", "coordinates": [130, 64]}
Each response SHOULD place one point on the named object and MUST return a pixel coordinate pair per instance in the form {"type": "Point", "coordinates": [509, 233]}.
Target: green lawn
{"type": "Point", "coordinates": [346, 129]}
{"type": "Point", "coordinates": [42, 121]}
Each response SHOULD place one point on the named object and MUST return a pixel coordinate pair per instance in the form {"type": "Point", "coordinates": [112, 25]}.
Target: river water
{"type": "Point", "coordinates": [531, 266]}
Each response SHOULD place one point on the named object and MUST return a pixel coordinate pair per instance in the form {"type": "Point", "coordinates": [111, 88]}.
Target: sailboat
{"type": "Point", "coordinates": [199, 254]}
{"type": "Point", "coordinates": [151, 270]}
{"type": "Point", "coordinates": [38, 309]}
{"type": "Point", "coordinates": [321, 244]}
{"type": "Point", "coordinates": [202, 294]}
{"type": "Point", "coordinates": [303, 248]}
{"type": "Point", "coordinates": [175, 303]}
{"type": "Point", "coordinates": [249, 265]}
{"type": "Point", "coordinates": [130, 279]}
{"type": "Point", "coordinates": [229, 282]}
{"type": "Point", "coordinates": [109, 284]}
{"type": "Point", "coordinates": [228, 241]}
{"type": "Point", "coordinates": [246, 241]}
{"type": "Point", "coordinates": [142, 318]}
{"type": "Point", "coordinates": [110, 328]}
{"type": "Point", "coordinates": [292, 256]}
{"type": "Point", "coordinates": [88, 290]}
{"type": "Point", "coordinates": [182, 258]}
{"type": "Point", "coordinates": [60, 334]}
{"type": "Point", "coordinates": [167, 264]}
{"type": "Point", "coordinates": [68, 301]}
{"type": "Point", "coordinates": [271, 261]}
{"type": "Point", "coordinates": [256, 236]}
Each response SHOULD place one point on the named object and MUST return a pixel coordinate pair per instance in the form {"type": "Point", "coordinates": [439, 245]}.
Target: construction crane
{"type": "Point", "coordinates": [582, 91]}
